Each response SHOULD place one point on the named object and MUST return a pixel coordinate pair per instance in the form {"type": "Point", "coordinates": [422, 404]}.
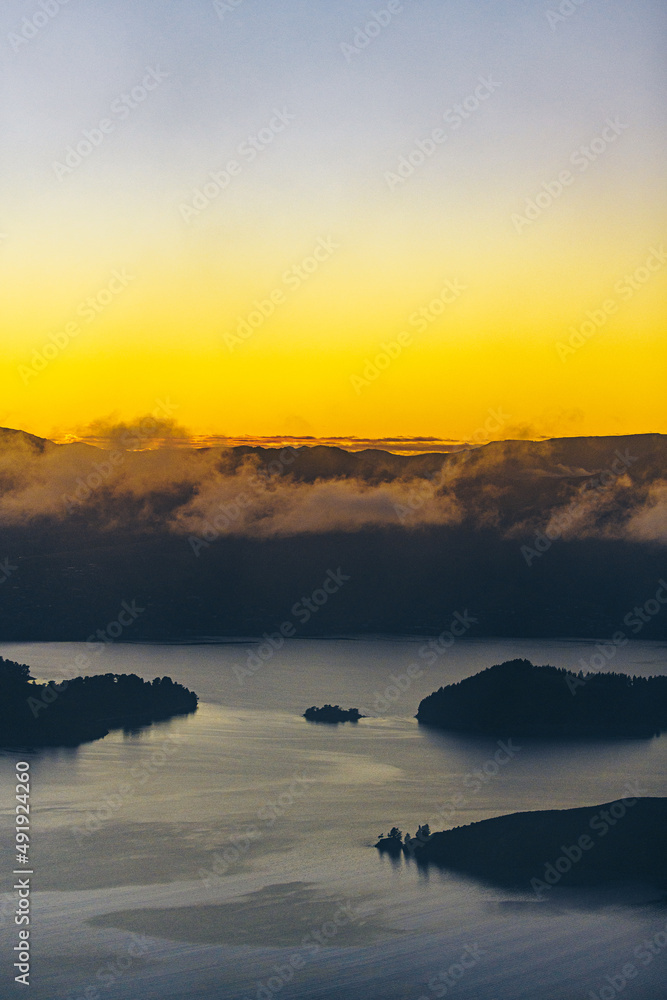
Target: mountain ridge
{"type": "Point", "coordinates": [552, 538]}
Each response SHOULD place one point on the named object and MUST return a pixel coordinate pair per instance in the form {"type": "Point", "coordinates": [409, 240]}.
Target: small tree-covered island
{"type": "Point", "coordinates": [332, 713]}
{"type": "Point", "coordinates": [84, 708]}
{"type": "Point", "coordinates": [519, 699]}
{"type": "Point", "coordinates": [625, 840]}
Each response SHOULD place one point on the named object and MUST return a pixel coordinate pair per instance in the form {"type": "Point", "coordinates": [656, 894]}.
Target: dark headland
{"type": "Point", "coordinates": [332, 713]}
{"type": "Point", "coordinates": [625, 840]}
{"type": "Point", "coordinates": [517, 698]}
{"type": "Point", "coordinates": [84, 708]}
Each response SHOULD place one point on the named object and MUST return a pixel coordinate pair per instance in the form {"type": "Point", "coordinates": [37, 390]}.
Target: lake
{"type": "Point", "coordinates": [228, 854]}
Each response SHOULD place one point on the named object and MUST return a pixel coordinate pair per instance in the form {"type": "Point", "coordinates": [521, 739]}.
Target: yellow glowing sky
{"type": "Point", "coordinates": [387, 250]}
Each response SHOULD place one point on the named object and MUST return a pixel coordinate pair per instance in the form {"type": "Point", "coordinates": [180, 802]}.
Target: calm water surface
{"type": "Point", "coordinates": [229, 854]}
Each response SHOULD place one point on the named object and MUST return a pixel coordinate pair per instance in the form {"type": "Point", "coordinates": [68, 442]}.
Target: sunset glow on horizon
{"type": "Point", "coordinates": [323, 230]}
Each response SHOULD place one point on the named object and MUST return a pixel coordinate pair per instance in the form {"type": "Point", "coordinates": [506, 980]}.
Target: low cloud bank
{"type": "Point", "coordinates": [609, 488]}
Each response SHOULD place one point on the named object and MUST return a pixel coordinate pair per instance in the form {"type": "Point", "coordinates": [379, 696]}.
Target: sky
{"type": "Point", "coordinates": [334, 219]}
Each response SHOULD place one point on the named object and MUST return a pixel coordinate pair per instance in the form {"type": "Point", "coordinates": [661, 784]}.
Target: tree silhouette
{"type": "Point", "coordinates": [84, 708]}
{"type": "Point", "coordinates": [519, 698]}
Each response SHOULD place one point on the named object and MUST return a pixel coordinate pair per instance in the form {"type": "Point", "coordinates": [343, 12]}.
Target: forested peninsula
{"type": "Point", "coordinates": [84, 708]}
{"type": "Point", "coordinates": [516, 698]}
